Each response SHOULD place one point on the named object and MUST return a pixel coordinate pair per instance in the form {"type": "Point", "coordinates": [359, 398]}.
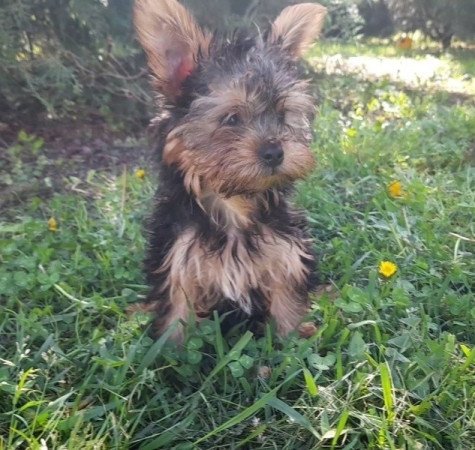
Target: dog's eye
{"type": "Point", "coordinates": [231, 120]}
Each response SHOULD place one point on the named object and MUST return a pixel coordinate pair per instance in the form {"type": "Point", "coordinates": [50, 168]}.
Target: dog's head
{"type": "Point", "coordinates": [244, 109]}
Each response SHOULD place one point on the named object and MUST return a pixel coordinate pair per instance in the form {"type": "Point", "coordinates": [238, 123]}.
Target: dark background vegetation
{"type": "Point", "coordinates": [70, 60]}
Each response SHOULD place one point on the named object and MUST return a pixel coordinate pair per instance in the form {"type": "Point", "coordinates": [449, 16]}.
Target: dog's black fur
{"type": "Point", "coordinates": [222, 226]}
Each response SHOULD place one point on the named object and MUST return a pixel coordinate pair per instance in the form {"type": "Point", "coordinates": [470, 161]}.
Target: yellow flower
{"type": "Point", "coordinates": [140, 173]}
{"type": "Point", "coordinates": [387, 268]}
{"type": "Point", "coordinates": [52, 224]}
{"type": "Point", "coordinates": [395, 189]}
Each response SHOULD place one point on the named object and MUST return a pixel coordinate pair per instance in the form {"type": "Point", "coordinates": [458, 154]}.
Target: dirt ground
{"type": "Point", "coordinates": [64, 150]}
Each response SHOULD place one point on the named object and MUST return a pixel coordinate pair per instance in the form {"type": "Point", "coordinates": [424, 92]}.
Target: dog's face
{"type": "Point", "coordinates": [246, 114]}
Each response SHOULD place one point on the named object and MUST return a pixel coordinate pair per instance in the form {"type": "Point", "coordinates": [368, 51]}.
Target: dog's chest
{"type": "Point", "coordinates": [206, 274]}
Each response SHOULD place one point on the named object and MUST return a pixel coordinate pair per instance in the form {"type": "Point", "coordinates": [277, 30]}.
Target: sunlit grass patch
{"type": "Point", "coordinates": [422, 66]}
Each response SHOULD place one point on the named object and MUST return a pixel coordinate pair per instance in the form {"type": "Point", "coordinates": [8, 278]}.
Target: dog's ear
{"type": "Point", "coordinates": [297, 27]}
{"type": "Point", "coordinates": [172, 40]}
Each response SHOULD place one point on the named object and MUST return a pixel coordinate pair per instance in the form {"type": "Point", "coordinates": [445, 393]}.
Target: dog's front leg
{"type": "Point", "coordinates": [288, 309]}
{"type": "Point", "coordinates": [174, 311]}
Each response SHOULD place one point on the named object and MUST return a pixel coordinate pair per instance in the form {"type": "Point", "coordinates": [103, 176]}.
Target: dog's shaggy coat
{"type": "Point", "coordinates": [232, 136]}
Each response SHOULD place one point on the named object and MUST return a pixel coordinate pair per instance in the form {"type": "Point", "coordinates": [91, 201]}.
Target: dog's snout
{"type": "Point", "coordinates": [272, 154]}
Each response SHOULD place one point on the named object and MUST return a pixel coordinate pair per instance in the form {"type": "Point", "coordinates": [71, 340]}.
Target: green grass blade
{"type": "Point", "coordinates": [387, 385]}
{"type": "Point", "coordinates": [218, 336]}
{"type": "Point", "coordinates": [340, 427]}
{"type": "Point", "coordinates": [255, 433]}
{"type": "Point", "coordinates": [236, 350]}
{"type": "Point", "coordinates": [310, 383]}
{"type": "Point", "coordinates": [156, 348]}
{"type": "Point", "coordinates": [470, 354]}
{"type": "Point", "coordinates": [243, 415]}
{"type": "Point", "coordinates": [249, 411]}
{"type": "Point", "coordinates": [293, 415]}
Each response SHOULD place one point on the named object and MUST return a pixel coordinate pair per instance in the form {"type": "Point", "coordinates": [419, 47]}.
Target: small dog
{"type": "Point", "coordinates": [233, 135]}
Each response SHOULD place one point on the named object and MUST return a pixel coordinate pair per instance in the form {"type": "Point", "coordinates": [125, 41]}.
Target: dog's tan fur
{"type": "Point", "coordinates": [196, 274]}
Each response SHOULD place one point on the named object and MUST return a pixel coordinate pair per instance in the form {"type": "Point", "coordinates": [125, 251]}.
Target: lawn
{"type": "Point", "coordinates": [392, 365]}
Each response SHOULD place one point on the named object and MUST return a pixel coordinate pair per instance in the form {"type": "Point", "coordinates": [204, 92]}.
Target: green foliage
{"type": "Point", "coordinates": [392, 364]}
{"type": "Point", "coordinates": [27, 148]}
{"type": "Point", "coordinates": [439, 19]}
{"type": "Point", "coordinates": [344, 20]}
{"type": "Point", "coordinates": [69, 58]}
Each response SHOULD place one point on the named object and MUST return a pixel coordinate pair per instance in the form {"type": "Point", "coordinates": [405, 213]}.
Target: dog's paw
{"type": "Point", "coordinates": [307, 329]}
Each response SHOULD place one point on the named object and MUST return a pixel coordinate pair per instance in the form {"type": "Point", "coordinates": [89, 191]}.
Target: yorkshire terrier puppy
{"type": "Point", "coordinates": [232, 136]}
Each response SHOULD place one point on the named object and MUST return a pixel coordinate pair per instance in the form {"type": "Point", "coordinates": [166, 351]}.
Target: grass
{"type": "Point", "coordinates": [460, 56]}
{"type": "Point", "coordinates": [433, 70]}
{"type": "Point", "coordinates": [391, 367]}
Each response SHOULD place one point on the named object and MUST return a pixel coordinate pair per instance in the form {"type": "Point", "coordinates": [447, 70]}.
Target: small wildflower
{"type": "Point", "coordinates": [387, 268]}
{"type": "Point", "coordinates": [140, 173]}
{"type": "Point", "coordinates": [395, 189]}
{"type": "Point", "coordinates": [255, 421]}
{"type": "Point", "coordinates": [52, 224]}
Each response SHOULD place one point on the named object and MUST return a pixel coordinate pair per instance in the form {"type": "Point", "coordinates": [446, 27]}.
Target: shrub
{"type": "Point", "coordinates": [439, 19]}
{"type": "Point", "coordinates": [67, 57]}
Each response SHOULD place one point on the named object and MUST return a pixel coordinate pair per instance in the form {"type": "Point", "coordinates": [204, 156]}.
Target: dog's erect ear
{"type": "Point", "coordinates": [172, 41]}
{"type": "Point", "coordinates": [297, 27]}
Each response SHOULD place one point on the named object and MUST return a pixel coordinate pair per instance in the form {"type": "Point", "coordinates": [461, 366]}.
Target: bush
{"type": "Point", "coordinates": [439, 19]}
{"type": "Point", "coordinates": [67, 57]}
{"type": "Point", "coordinates": [79, 58]}
{"type": "Point", "coordinates": [376, 17]}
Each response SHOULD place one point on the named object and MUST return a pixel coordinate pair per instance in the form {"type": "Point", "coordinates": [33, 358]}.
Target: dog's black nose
{"type": "Point", "coordinates": [272, 154]}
